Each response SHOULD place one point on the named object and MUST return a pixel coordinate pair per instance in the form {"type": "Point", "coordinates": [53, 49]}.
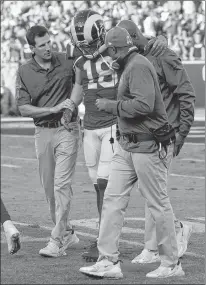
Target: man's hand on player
{"type": "Point", "coordinates": [158, 45]}
{"type": "Point", "coordinates": [101, 104]}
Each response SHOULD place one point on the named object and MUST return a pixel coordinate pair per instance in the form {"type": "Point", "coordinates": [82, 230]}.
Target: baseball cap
{"type": "Point", "coordinates": [118, 37]}
{"type": "Point", "coordinates": [128, 25]}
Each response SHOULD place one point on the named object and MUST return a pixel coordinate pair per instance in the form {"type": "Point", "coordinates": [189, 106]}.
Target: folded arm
{"type": "Point", "coordinates": [141, 91]}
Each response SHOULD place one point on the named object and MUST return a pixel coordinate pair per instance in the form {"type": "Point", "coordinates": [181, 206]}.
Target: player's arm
{"type": "Point", "coordinates": [23, 100]}
{"type": "Point", "coordinates": [181, 86]}
{"type": "Point", "coordinates": [77, 91]}
{"type": "Point", "coordinates": [142, 90]}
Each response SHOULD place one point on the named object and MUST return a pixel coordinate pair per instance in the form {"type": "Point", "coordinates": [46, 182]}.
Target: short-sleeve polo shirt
{"type": "Point", "coordinates": [45, 88]}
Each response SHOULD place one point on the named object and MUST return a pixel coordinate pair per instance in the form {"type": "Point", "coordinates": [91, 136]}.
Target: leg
{"type": "Point", "coordinates": [152, 176]}
{"type": "Point", "coordinates": [116, 198]}
{"type": "Point", "coordinates": [150, 231]}
{"type": "Point", "coordinates": [46, 161]}
{"type": "Point", "coordinates": [121, 180]}
{"type": "Point", "coordinates": [105, 161]}
{"type": "Point", "coordinates": [92, 148]}
{"type": "Point", "coordinates": [11, 233]}
{"type": "Point", "coordinates": [65, 151]}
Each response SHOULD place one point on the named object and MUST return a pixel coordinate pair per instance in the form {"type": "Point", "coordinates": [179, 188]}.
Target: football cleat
{"type": "Point", "coordinates": [70, 239]}
{"type": "Point", "coordinates": [183, 239]}
{"type": "Point", "coordinates": [52, 250]}
{"type": "Point", "coordinates": [146, 256]}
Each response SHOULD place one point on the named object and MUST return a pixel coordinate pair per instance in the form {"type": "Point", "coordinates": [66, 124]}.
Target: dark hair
{"type": "Point", "coordinates": [34, 31]}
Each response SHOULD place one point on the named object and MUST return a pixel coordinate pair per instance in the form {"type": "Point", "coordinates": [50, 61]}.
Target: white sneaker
{"type": "Point", "coordinates": [52, 250]}
{"type": "Point", "coordinates": [146, 256]}
{"type": "Point", "coordinates": [12, 237]}
{"type": "Point", "coordinates": [104, 268]}
{"type": "Point", "coordinates": [70, 239]}
{"type": "Point", "coordinates": [183, 239]}
{"type": "Point", "coordinates": [164, 272]}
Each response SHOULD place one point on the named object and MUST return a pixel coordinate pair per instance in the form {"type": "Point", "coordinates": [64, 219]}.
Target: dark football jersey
{"type": "Point", "coordinates": [98, 81]}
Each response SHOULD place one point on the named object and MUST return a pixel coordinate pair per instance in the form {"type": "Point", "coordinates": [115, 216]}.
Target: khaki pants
{"type": "Point", "coordinates": [56, 151]}
{"type": "Point", "coordinates": [151, 173]}
{"type": "Point", "coordinates": [98, 152]}
{"type": "Point", "coordinates": [150, 230]}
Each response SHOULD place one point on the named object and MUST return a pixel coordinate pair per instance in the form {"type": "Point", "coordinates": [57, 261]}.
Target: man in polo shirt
{"type": "Point", "coordinates": [43, 89]}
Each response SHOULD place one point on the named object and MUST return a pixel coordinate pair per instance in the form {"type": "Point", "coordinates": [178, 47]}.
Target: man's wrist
{"type": "Point", "coordinates": [111, 107]}
{"type": "Point", "coordinates": [52, 110]}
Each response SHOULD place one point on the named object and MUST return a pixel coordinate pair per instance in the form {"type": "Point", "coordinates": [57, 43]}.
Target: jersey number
{"type": "Point", "coordinates": [101, 74]}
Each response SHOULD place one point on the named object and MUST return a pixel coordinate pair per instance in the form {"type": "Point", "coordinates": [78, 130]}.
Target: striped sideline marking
{"type": "Point", "coordinates": [137, 244]}
{"type": "Point", "coordinates": [191, 159]}
{"type": "Point", "coordinates": [10, 166]}
{"type": "Point", "coordinates": [82, 163]}
{"type": "Point", "coordinates": [201, 219]}
{"type": "Point", "coordinates": [187, 176]}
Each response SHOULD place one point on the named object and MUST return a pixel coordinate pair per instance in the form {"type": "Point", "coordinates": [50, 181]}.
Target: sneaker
{"type": "Point", "coordinates": [146, 256]}
{"type": "Point", "coordinates": [164, 272]}
{"type": "Point", "coordinates": [70, 239]}
{"type": "Point", "coordinates": [104, 269]}
{"type": "Point", "coordinates": [52, 250]}
{"type": "Point", "coordinates": [183, 239]}
{"type": "Point", "coordinates": [92, 254]}
{"type": "Point", "coordinates": [12, 237]}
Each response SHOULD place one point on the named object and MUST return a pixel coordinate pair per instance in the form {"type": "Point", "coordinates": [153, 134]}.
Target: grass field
{"type": "Point", "coordinates": [25, 200]}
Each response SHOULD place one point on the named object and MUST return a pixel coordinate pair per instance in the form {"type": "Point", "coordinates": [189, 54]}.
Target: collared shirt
{"type": "Point", "coordinates": [44, 88]}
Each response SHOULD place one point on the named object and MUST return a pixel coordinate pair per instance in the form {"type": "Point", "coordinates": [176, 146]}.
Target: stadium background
{"type": "Point", "coordinates": [20, 186]}
{"type": "Point", "coordinates": [183, 22]}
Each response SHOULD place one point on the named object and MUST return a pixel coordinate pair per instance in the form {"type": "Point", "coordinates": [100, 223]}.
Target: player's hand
{"type": "Point", "coordinates": [158, 45]}
{"type": "Point", "coordinates": [66, 104]}
{"type": "Point", "coordinates": [101, 104]}
{"type": "Point", "coordinates": [179, 141]}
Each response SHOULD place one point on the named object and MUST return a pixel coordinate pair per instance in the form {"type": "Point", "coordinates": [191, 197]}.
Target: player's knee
{"type": "Point", "coordinates": [93, 174]}
{"type": "Point", "coordinates": [103, 170]}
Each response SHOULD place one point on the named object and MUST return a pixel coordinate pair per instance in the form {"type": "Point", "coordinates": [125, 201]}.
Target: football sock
{"type": "Point", "coordinates": [98, 197]}
{"type": "Point", "coordinates": [102, 185]}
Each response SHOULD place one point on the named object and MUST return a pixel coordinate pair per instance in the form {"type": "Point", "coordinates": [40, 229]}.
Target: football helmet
{"type": "Point", "coordinates": [87, 31]}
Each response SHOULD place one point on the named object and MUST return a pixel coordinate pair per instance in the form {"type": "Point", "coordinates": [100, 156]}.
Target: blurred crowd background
{"type": "Point", "coordinates": [183, 22]}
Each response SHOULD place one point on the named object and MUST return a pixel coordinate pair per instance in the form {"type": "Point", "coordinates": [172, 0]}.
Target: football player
{"type": "Point", "coordinates": [95, 79]}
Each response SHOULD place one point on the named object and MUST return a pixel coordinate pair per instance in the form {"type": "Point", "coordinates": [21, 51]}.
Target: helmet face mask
{"type": "Point", "coordinates": [87, 31]}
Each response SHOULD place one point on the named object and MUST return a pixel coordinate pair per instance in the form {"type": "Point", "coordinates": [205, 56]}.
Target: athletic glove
{"type": "Point", "coordinates": [69, 115]}
{"type": "Point", "coordinates": [179, 141]}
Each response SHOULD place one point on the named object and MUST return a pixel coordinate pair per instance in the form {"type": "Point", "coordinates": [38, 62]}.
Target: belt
{"type": "Point", "coordinates": [135, 138]}
{"type": "Point", "coordinates": [50, 125]}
